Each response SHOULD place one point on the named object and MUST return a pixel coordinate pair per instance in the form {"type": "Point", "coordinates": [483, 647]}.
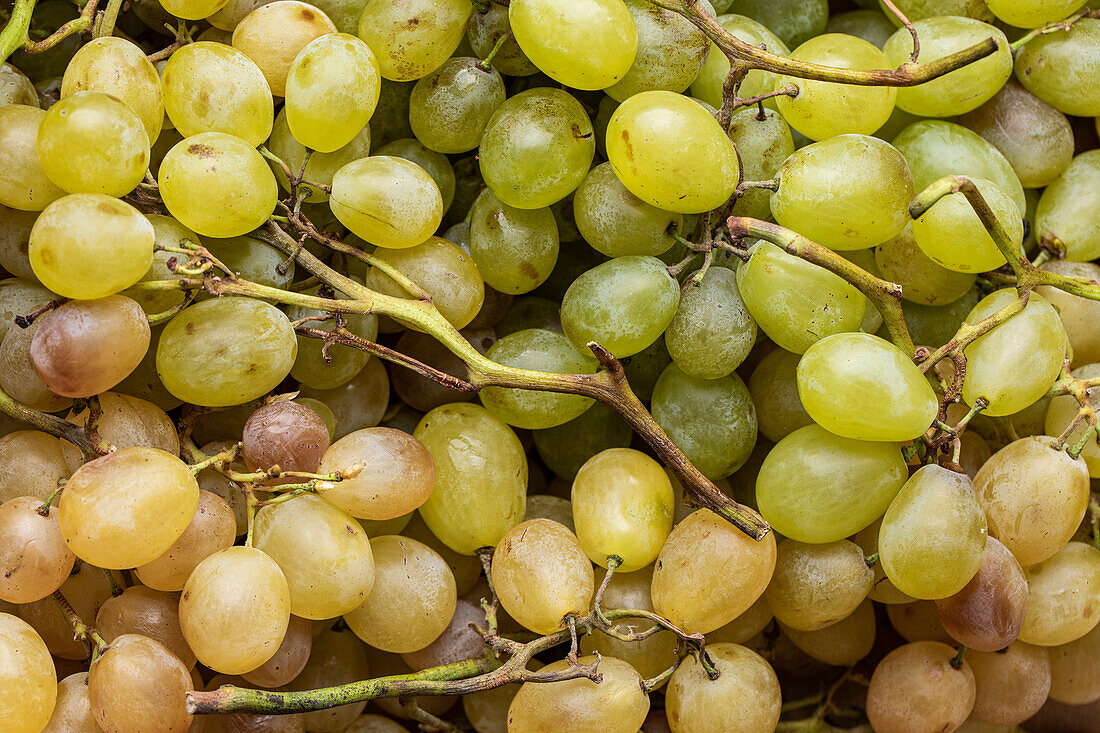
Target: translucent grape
{"type": "Point", "coordinates": [774, 390]}
{"type": "Point", "coordinates": [708, 84]}
{"type": "Point", "coordinates": [31, 462]}
{"type": "Point", "coordinates": [212, 528]}
{"type": "Point", "coordinates": [565, 448]}
{"type": "Point", "coordinates": [397, 477]}
{"type": "Point", "coordinates": [389, 202]}
{"type": "Point", "coordinates": [412, 39]}
{"type": "Point", "coordinates": [815, 586]}
{"type": "Point", "coordinates": [921, 670]}
{"type": "Point", "coordinates": [124, 422]}
{"type": "Point", "coordinates": [227, 351]}
{"type": "Point", "coordinates": [436, 164]}
{"type": "Point", "coordinates": [272, 36]}
{"type": "Point", "coordinates": [807, 486]}
{"type": "Point", "coordinates": [515, 249]}
{"type": "Point", "coordinates": [33, 555]}
{"type": "Point", "coordinates": [669, 152]}
{"type": "Point", "coordinates": [87, 589]}
{"type": "Point", "coordinates": [1063, 595]}
{"type": "Point", "coordinates": [1012, 685]}
{"type": "Point", "coordinates": [616, 705]}
{"type": "Point", "coordinates": [193, 9]}
{"type": "Point", "coordinates": [450, 107]}
{"type": "Point", "coordinates": [986, 615]}
{"type": "Point", "coordinates": [360, 403]}
{"type": "Point", "coordinates": [151, 613]}
{"type": "Point", "coordinates": [137, 682]}
{"type": "Point", "coordinates": [870, 25]}
{"type": "Point", "coordinates": [18, 377]}
{"type": "Point", "coordinates": [952, 235]}
{"type": "Point", "coordinates": [670, 51]}
{"type": "Point", "coordinates": [922, 280]}
{"type": "Point", "coordinates": [712, 331]}
{"type": "Point", "coordinates": [1064, 206]}
{"type": "Point", "coordinates": [24, 184]}
{"type": "Point", "coordinates": [72, 711]}
{"type": "Point", "coordinates": [16, 88]}
{"type": "Point", "coordinates": [584, 45]}
{"type": "Point", "coordinates": [1042, 62]}
{"type": "Point", "coordinates": [344, 362]}
{"type": "Point", "coordinates": [745, 697]}
{"type": "Point", "coordinates": [466, 568]}
{"type": "Point", "coordinates": [232, 13]}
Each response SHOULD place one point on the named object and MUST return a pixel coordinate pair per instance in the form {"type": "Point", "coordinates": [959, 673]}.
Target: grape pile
{"type": "Point", "coordinates": [549, 366]}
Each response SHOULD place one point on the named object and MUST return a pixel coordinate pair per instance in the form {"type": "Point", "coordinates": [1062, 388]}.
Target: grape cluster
{"type": "Point", "coordinates": [549, 366]}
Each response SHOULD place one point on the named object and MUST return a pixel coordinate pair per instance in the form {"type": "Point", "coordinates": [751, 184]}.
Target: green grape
{"type": "Point", "coordinates": [745, 697]}
{"type": "Point", "coordinates": [88, 245]}
{"type": "Point", "coordinates": [481, 476]}
{"type": "Point", "coordinates": [515, 249]}
{"type": "Point", "coordinates": [1062, 68]}
{"type": "Point", "coordinates": [764, 142]}
{"type": "Point", "coordinates": [390, 120]}
{"type": "Point", "coordinates": [321, 550]}
{"type": "Point", "coordinates": [193, 9]}
{"type": "Point", "coordinates": [618, 704]}
{"type": "Point", "coordinates": [951, 234]}
{"type": "Point", "coordinates": [216, 167]}
{"type": "Point", "coordinates": [815, 586]}
{"type": "Point", "coordinates": [807, 485]}
{"type": "Point", "coordinates": [624, 305]}
{"type": "Point", "coordinates": [933, 536]}
{"type": "Point", "coordinates": [321, 167]}
{"type": "Point", "coordinates": [24, 184]}
{"type": "Point", "coordinates": [937, 148]}
{"type": "Point", "coordinates": [921, 9]}
{"type": "Point", "coordinates": [436, 164]}
{"type": "Point", "coordinates": [622, 506]}
{"type": "Point", "coordinates": [692, 586]}
{"type": "Point", "coordinates": [450, 107]}
{"type": "Point", "coordinates": [16, 88]}
{"type": "Point", "coordinates": [536, 148]}
{"type": "Point", "coordinates": [197, 97]}
{"type": "Point", "coordinates": [388, 202]}
{"type": "Point", "coordinates": [848, 192]}
{"type": "Point", "coordinates": [412, 39]}
{"type": "Point", "coordinates": [900, 260]}
{"type": "Point", "coordinates": [671, 153]}
{"type": "Point", "coordinates": [824, 109]}
{"type": "Point", "coordinates": [528, 311]}
{"type": "Point", "coordinates": [774, 390]}
{"type": "Point", "coordinates": [841, 644]}
{"type": "Point", "coordinates": [961, 90]}
{"type": "Point", "coordinates": [226, 351]}
{"type": "Point", "coordinates": [615, 222]}
{"type": "Point", "coordinates": [925, 671]}
{"type": "Point", "coordinates": [441, 268]}
{"type": "Point", "coordinates": [863, 387]}
{"type": "Point", "coordinates": [1034, 497]}
{"type": "Point", "coordinates": [117, 67]}
{"type": "Point", "coordinates": [28, 682]}
{"type": "Point", "coordinates": [167, 232]}
{"type": "Point", "coordinates": [565, 448]}
{"type": "Point", "coordinates": [1064, 409]}
{"type": "Point", "coordinates": [541, 575]}
{"type": "Point", "coordinates": [542, 351]}
{"type": "Point", "coordinates": [589, 44]}
{"type": "Point", "coordinates": [1067, 206]}
{"type": "Point", "coordinates": [712, 420]}
{"type": "Point", "coordinates": [932, 325]}
{"type": "Point", "coordinates": [274, 34]}
{"type": "Point", "coordinates": [573, 261]}
{"type": "Point", "coordinates": [1015, 363]}
{"type": "Point", "coordinates": [1077, 313]}
{"type": "Point", "coordinates": [712, 331]}
{"type": "Point", "coordinates": [794, 22]}
{"type": "Point", "coordinates": [795, 302]}
{"type": "Point", "coordinates": [344, 362]}
{"type": "Point", "coordinates": [1063, 593]}
{"type": "Point", "coordinates": [253, 260]}
{"type": "Point", "coordinates": [332, 89]}
{"type": "Point", "coordinates": [670, 51]}
{"type": "Point", "coordinates": [870, 25]}
{"type": "Point", "coordinates": [708, 84]}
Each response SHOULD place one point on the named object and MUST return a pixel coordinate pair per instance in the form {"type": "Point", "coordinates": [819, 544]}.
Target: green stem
{"type": "Point", "coordinates": [106, 25]}
{"type": "Point", "coordinates": [487, 62]}
{"type": "Point", "coordinates": [969, 332]}
{"type": "Point", "coordinates": [14, 34]}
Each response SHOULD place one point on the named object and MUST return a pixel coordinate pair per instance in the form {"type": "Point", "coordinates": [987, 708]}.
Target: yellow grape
{"type": "Point", "coordinates": [24, 185]}
{"type": "Point", "coordinates": [815, 586]}
{"type": "Point", "coordinates": [34, 558]}
{"type": "Point", "coordinates": [118, 67]}
{"type": "Point", "coordinates": [920, 671]}
{"type": "Point", "coordinates": [397, 477]}
{"type": "Point", "coordinates": [28, 685]}
{"type": "Point", "coordinates": [745, 697]}
{"type": "Point", "coordinates": [16, 88]}
{"type": "Point", "coordinates": [137, 683]}
{"type": "Point", "coordinates": [1063, 594]}
{"type": "Point", "coordinates": [841, 644]}
{"type": "Point", "coordinates": [320, 168]}
{"type": "Point", "coordinates": [273, 34]}
{"type": "Point", "coordinates": [443, 269]}
{"type": "Point", "coordinates": [212, 528]}
{"type": "Point", "coordinates": [411, 39]}
{"type": "Point", "coordinates": [386, 201]}
{"type": "Point", "coordinates": [616, 705]}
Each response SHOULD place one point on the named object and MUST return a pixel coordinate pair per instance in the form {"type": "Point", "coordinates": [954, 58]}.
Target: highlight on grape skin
{"type": "Point", "coordinates": [549, 366]}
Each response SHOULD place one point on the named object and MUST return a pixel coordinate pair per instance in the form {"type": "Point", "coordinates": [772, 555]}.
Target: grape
{"type": "Point", "coordinates": [952, 235]}
{"type": "Point", "coordinates": [840, 644]}
{"type": "Point", "coordinates": [486, 29]}
{"type": "Point", "coordinates": [466, 568]}
{"type": "Point", "coordinates": [921, 9]}
{"type": "Point", "coordinates": [331, 87]}
{"type": "Point", "coordinates": [320, 167]}
{"type": "Point", "coordinates": [31, 463]}
{"type": "Point", "coordinates": [487, 711]}
{"type": "Point", "coordinates": [1063, 409]}
{"type": "Point", "coordinates": [436, 164]}
{"type": "Point", "coordinates": [585, 45]}
{"type": "Point", "coordinates": [441, 268]}
{"type": "Point", "coordinates": [861, 386]}
{"type": "Point", "coordinates": [227, 351]}
{"type": "Point", "coordinates": [920, 671]}
{"type": "Point", "coordinates": [148, 612]}
{"type": "Point", "coordinates": [230, 631]}
{"type": "Point", "coordinates": [212, 528]}
{"type": "Point", "coordinates": [89, 246]}
{"type": "Point", "coordinates": [389, 202]}
{"type": "Point", "coordinates": [412, 39]}
{"type": "Point", "coordinates": [1075, 677]}
{"type": "Point", "coordinates": [708, 84]}
{"type": "Point", "coordinates": [126, 422]}
{"type": "Point", "coordinates": [20, 295]}
{"type": "Point", "coordinates": [615, 222]}
{"type": "Point", "coordinates": [937, 148]}
{"type": "Point", "coordinates": [137, 684]}
{"type": "Point", "coordinates": [743, 628]}
{"type": "Point", "coordinates": [360, 403]}
{"type": "Point", "coordinates": [545, 506]}
{"type": "Point", "coordinates": [233, 12]}
{"type": "Point", "coordinates": [87, 589]}
{"type": "Point", "coordinates": [804, 488]}
{"type": "Point", "coordinates": [536, 148]}
{"type": "Point", "coordinates": [24, 184]}
{"type": "Point", "coordinates": [457, 643]}
{"type": "Point", "coordinates": [481, 476]}
{"type": "Point", "coordinates": [29, 688]}
{"type": "Point", "coordinates": [197, 97]}
{"type": "Point", "coordinates": [193, 9]}
{"type": "Point", "coordinates": [541, 575]}
{"type": "Point", "coordinates": [774, 390]}
{"type": "Point", "coordinates": [565, 448]}
{"type": "Point", "coordinates": [815, 586]}
{"type": "Point", "coordinates": [870, 25]}
{"type": "Point", "coordinates": [15, 231]}
{"type": "Point", "coordinates": [371, 723]}
{"type": "Point", "coordinates": [1011, 686]}
{"type": "Point", "coordinates": [73, 712]}
{"type": "Point", "coordinates": [33, 555]}
{"type": "Point", "coordinates": [746, 697]}
{"type": "Point", "coordinates": [450, 107]}
{"type": "Point", "coordinates": [923, 281]}
{"type": "Point", "coordinates": [515, 249]}
{"type": "Point", "coordinates": [337, 657]}
{"type": "Point", "coordinates": [289, 660]}
{"type": "Point", "coordinates": [85, 347]}
{"type": "Point", "coordinates": [272, 36]}
{"type": "Point", "coordinates": [413, 599]}
{"type": "Point", "coordinates": [16, 88]}
{"type": "Point", "coordinates": [128, 507]}
{"type": "Point", "coordinates": [712, 331]}
{"type": "Point", "coordinates": [1041, 64]}
{"type": "Point", "coordinates": [624, 305]}
{"type": "Point", "coordinates": [712, 420]}
{"type": "Point", "coordinates": [215, 166]}
{"type": "Point", "coordinates": [344, 362]}
{"type": "Point", "coordinates": [1064, 206]}
{"type": "Point", "coordinates": [822, 109]}
{"type": "Point", "coordinates": [692, 586]}
{"type": "Point", "coordinates": [530, 312]}
{"type": "Point", "coordinates": [961, 90]}
{"type": "Point", "coordinates": [794, 22]}
{"type": "Point", "coordinates": [669, 54]}
{"type": "Point", "coordinates": [616, 705]}
{"type": "Point", "coordinates": [669, 152]}
{"type": "Point", "coordinates": [117, 67]}
{"type": "Point", "coordinates": [397, 477]}
{"type": "Point", "coordinates": [1035, 138]}
{"type": "Point", "coordinates": [883, 590]}
{"type": "Point", "coordinates": [764, 142]}
{"type": "Point", "coordinates": [1015, 363]}
{"type": "Point", "coordinates": [287, 435]}
{"type": "Point", "coordinates": [18, 377]}
{"type": "Point", "coordinates": [986, 615]}
{"type": "Point", "coordinates": [420, 393]}
{"type": "Point", "coordinates": [252, 259]}
{"type": "Point", "coordinates": [795, 302]}
{"type": "Point", "coordinates": [1063, 593]}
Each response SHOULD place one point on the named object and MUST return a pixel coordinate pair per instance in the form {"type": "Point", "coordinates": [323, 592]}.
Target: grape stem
{"type": "Point", "coordinates": [81, 631]}
{"type": "Point", "coordinates": [1061, 25]}
{"type": "Point", "coordinates": [53, 425]}
{"type": "Point", "coordinates": [427, 721]}
{"type": "Point", "coordinates": [105, 22]}
{"type": "Point", "coordinates": [15, 34]}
